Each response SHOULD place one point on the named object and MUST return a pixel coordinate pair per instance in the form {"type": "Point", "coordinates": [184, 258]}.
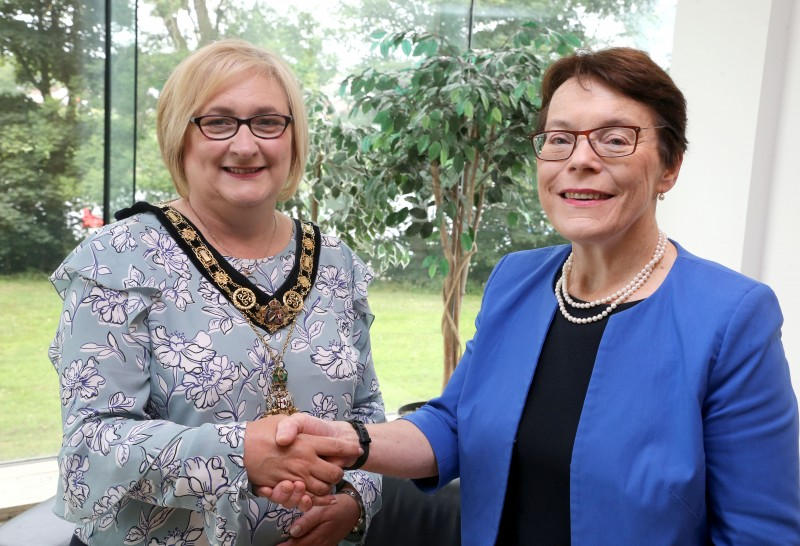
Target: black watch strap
{"type": "Point", "coordinates": [364, 440]}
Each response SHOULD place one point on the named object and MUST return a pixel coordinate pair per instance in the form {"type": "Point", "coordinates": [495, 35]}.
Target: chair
{"type": "Point", "coordinates": [409, 517]}
{"type": "Point", "coordinates": [37, 525]}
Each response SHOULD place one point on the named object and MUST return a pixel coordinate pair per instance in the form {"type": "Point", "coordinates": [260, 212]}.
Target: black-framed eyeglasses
{"type": "Point", "coordinates": [264, 126]}
{"type": "Point", "coordinates": [611, 141]}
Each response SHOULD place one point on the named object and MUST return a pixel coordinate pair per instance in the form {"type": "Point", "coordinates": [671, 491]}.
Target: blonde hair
{"type": "Point", "coordinates": [196, 79]}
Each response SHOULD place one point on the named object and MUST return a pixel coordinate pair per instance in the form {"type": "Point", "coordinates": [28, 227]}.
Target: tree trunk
{"type": "Point", "coordinates": [453, 288]}
{"type": "Point", "coordinates": [208, 32]}
{"type": "Point", "coordinates": [468, 213]}
{"type": "Point", "coordinates": [451, 298]}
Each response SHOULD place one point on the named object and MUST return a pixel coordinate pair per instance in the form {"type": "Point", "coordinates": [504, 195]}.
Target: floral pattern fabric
{"type": "Point", "coordinates": [160, 374]}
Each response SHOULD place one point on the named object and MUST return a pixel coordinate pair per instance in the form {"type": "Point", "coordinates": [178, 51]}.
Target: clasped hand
{"type": "Point", "coordinates": [296, 461]}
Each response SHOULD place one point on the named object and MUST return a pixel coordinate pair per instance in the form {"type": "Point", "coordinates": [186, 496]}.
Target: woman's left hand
{"type": "Point", "coordinates": [325, 525]}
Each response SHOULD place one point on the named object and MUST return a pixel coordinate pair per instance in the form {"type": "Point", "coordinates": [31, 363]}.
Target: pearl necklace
{"type": "Point", "coordinates": [243, 269]}
{"type": "Point", "coordinates": [618, 297]}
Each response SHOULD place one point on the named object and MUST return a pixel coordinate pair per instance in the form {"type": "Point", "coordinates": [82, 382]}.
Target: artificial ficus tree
{"type": "Point", "coordinates": [449, 138]}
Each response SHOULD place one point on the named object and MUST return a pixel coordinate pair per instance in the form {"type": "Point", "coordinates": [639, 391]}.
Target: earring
{"type": "Point", "coordinates": [660, 196]}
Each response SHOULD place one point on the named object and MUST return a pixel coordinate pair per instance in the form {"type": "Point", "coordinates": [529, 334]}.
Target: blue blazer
{"type": "Point", "coordinates": [689, 430]}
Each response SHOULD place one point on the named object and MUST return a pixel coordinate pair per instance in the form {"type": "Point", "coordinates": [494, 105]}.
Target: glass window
{"type": "Point", "coordinates": [78, 139]}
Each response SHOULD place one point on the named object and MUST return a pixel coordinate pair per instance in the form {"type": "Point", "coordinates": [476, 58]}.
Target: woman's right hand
{"type": "Point", "coordinates": [309, 459]}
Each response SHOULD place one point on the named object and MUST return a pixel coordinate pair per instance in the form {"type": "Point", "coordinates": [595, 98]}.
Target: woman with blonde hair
{"type": "Point", "coordinates": [191, 328]}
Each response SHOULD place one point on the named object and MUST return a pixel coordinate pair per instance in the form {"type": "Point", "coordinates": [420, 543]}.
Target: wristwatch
{"type": "Point", "coordinates": [364, 440]}
{"type": "Point", "coordinates": [360, 528]}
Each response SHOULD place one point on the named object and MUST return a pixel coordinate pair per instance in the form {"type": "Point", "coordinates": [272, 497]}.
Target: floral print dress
{"type": "Point", "coordinates": [160, 373]}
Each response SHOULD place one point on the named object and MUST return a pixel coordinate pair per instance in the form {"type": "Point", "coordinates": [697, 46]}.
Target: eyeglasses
{"type": "Point", "coordinates": [613, 141]}
{"type": "Point", "coordinates": [264, 126]}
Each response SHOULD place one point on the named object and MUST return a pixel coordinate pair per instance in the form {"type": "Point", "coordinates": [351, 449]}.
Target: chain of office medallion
{"type": "Point", "coordinates": [275, 314]}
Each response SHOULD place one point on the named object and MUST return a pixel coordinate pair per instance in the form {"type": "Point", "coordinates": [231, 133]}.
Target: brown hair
{"type": "Point", "coordinates": [634, 74]}
{"type": "Point", "coordinates": [198, 77]}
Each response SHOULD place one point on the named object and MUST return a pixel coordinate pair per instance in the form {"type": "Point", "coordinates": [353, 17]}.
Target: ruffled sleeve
{"type": "Point", "coordinates": [116, 446]}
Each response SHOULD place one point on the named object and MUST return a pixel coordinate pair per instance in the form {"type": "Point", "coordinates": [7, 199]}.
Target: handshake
{"type": "Point", "coordinates": [296, 461]}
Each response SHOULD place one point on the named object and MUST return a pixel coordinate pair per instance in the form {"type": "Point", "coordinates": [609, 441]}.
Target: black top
{"type": "Point", "coordinates": [536, 509]}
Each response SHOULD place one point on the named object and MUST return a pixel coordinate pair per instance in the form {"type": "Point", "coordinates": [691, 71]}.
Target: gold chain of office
{"type": "Point", "coordinates": [275, 313]}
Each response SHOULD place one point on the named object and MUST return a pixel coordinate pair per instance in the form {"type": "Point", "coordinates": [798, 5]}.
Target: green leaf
{"type": "Point", "coordinates": [413, 229]}
{"type": "Point", "coordinates": [484, 99]}
{"type": "Point", "coordinates": [406, 46]}
{"type": "Point", "coordinates": [369, 85]}
{"type": "Point", "coordinates": [422, 143]}
{"type": "Point", "coordinates": [466, 242]}
{"type": "Point", "coordinates": [513, 219]}
{"type": "Point", "coordinates": [434, 150]}
{"type": "Point", "coordinates": [419, 214]}
{"type": "Point", "coordinates": [366, 143]}
{"type": "Point", "coordinates": [426, 230]}
{"type": "Point", "coordinates": [469, 110]}
{"type": "Point", "coordinates": [496, 115]}
{"type": "Point", "coordinates": [384, 117]}
{"type": "Point", "coordinates": [432, 48]}
{"type": "Point", "coordinates": [393, 217]}
{"type": "Point", "coordinates": [458, 163]}
{"type": "Point", "coordinates": [450, 209]}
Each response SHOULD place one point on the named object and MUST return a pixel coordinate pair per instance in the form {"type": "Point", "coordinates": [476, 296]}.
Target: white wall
{"type": "Point", "coordinates": [736, 201]}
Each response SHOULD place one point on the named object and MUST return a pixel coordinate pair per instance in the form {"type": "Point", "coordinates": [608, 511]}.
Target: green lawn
{"type": "Point", "coordinates": [407, 342]}
{"type": "Point", "coordinates": [29, 409]}
{"type": "Point", "coordinates": [406, 348]}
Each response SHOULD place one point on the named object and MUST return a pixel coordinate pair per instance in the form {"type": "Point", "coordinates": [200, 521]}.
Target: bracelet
{"type": "Point", "coordinates": [364, 440]}
{"type": "Point", "coordinates": [358, 531]}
